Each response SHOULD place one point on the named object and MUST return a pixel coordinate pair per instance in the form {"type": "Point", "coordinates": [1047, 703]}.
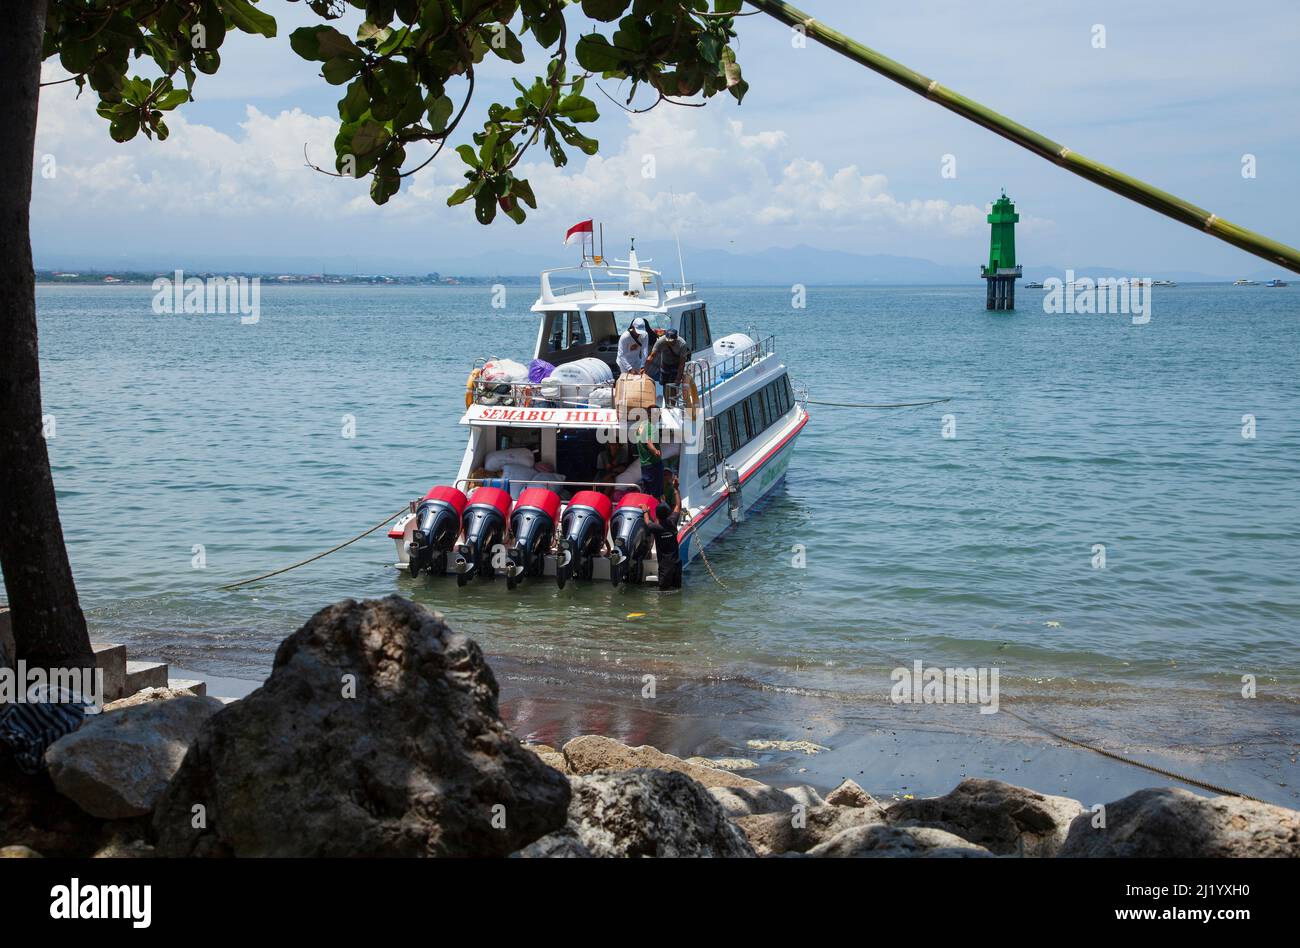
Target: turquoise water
{"type": "Point", "coordinates": [1071, 431]}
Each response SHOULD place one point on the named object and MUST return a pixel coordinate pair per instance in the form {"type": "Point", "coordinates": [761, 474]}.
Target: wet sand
{"type": "Point", "coordinates": [896, 750]}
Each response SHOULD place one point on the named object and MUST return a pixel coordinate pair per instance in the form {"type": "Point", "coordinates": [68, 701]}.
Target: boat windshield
{"type": "Point", "coordinates": [656, 320]}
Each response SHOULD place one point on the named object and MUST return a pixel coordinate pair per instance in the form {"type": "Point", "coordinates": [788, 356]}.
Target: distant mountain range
{"type": "Point", "coordinates": [779, 266]}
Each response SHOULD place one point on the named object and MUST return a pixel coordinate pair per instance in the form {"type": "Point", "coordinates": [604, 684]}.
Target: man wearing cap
{"type": "Point", "coordinates": [667, 357]}
{"type": "Point", "coordinates": [633, 346]}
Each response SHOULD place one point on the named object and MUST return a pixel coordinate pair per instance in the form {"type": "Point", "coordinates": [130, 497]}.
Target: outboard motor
{"type": "Point", "coordinates": [629, 538]}
{"type": "Point", "coordinates": [437, 525]}
{"type": "Point", "coordinates": [533, 527]}
{"type": "Point", "coordinates": [485, 527]}
{"type": "Point", "coordinates": [582, 532]}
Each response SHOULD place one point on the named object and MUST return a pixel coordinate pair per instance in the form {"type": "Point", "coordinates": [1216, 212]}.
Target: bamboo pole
{"type": "Point", "coordinates": [1125, 185]}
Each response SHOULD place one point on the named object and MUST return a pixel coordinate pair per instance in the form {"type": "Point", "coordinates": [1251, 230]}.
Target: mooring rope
{"type": "Point", "coordinates": [690, 526]}
{"type": "Point", "coordinates": [311, 559]}
{"type": "Point", "coordinates": [1213, 788]}
{"type": "Point", "coordinates": [1085, 745]}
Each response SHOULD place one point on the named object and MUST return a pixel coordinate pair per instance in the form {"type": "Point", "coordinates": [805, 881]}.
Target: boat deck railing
{"type": "Point", "coordinates": [708, 374]}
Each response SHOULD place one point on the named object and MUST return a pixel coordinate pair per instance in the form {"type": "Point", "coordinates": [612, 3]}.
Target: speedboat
{"type": "Point", "coordinates": [1244, 282]}
{"type": "Point", "coordinates": [1276, 283]}
{"type": "Point", "coordinates": [1034, 285]}
{"type": "Point", "coordinates": [532, 498]}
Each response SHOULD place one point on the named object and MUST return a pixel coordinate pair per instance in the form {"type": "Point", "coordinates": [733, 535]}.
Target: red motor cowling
{"type": "Point", "coordinates": [636, 499]}
{"type": "Point", "coordinates": [582, 530]}
{"type": "Point", "coordinates": [485, 527]}
{"type": "Point", "coordinates": [630, 540]}
{"type": "Point", "coordinates": [533, 526]}
{"type": "Point", "coordinates": [437, 525]}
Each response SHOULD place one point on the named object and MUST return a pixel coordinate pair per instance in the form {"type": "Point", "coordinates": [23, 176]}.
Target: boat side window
{"type": "Point", "coordinates": [703, 338]}
{"type": "Point", "coordinates": [726, 440]}
{"type": "Point", "coordinates": [769, 402]}
{"type": "Point", "coordinates": [710, 452]}
{"type": "Point", "coordinates": [758, 413]}
{"type": "Point", "coordinates": [778, 391]}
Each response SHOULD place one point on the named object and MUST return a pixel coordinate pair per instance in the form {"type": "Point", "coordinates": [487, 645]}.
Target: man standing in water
{"type": "Point", "coordinates": [667, 553]}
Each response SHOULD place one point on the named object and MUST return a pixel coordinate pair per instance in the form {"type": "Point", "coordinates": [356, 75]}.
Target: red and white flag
{"type": "Point", "coordinates": [578, 232]}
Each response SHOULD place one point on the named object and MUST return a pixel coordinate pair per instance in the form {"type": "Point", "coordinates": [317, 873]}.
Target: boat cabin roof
{"type": "Point", "coordinates": [602, 286]}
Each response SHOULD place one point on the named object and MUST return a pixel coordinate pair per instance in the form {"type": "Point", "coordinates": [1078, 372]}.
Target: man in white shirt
{"type": "Point", "coordinates": [633, 346]}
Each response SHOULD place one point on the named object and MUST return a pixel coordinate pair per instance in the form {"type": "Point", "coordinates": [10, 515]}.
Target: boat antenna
{"type": "Point", "coordinates": [681, 267]}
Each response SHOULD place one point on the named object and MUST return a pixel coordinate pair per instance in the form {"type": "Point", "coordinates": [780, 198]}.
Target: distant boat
{"type": "Point", "coordinates": [1244, 282]}
{"type": "Point", "coordinates": [1164, 283]}
{"type": "Point", "coordinates": [1034, 285]}
{"type": "Point", "coordinates": [1276, 283]}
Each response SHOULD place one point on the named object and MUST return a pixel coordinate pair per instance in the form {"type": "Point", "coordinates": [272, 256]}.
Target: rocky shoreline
{"type": "Point", "coordinates": [378, 733]}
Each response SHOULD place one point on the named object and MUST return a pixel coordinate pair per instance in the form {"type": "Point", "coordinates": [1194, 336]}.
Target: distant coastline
{"type": "Point", "coordinates": [146, 278]}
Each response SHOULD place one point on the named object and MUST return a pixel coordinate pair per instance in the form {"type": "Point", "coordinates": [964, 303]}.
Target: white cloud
{"type": "Point", "coordinates": [728, 182]}
{"type": "Point", "coordinates": [720, 180]}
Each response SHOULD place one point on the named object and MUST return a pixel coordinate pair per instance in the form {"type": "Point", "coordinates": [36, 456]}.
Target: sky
{"type": "Point", "coordinates": [822, 153]}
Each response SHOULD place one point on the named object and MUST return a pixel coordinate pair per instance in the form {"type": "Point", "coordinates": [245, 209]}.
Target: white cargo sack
{"type": "Point", "coordinates": [504, 370]}
{"type": "Point", "coordinates": [573, 380]}
{"type": "Point", "coordinates": [497, 460]}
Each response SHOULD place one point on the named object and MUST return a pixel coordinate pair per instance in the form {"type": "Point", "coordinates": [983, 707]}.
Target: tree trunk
{"type": "Point", "coordinates": [48, 627]}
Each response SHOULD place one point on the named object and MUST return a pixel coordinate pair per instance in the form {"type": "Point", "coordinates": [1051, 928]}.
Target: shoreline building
{"type": "Point", "coordinates": [1002, 272]}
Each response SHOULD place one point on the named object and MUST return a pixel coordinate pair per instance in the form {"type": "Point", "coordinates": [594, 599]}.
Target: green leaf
{"type": "Point", "coordinates": [596, 55]}
{"type": "Point", "coordinates": [170, 100]}
{"type": "Point", "coordinates": [371, 31]}
{"type": "Point", "coordinates": [248, 18]}
{"type": "Point", "coordinates": [727, 6]}
{"type": "Point", "coordinates": [353, 106]}
{"type": "Point", "coordinates": [384, 186]}
{"type": "Point", "coordinates": [369, 137]}
{"type": "Point", "coordinates": [321, 43]}
{"type": "Point", "coordinates": [468, 155]}
{"type": "Point", "coordinates": [124, 128]}
{"type": "Point", "coordinates": [333, 43]}
{"type": "Point", "coordinates": [208, 61]}
{"type": "Point", "coordinates": [305, 41]}
{"type": "Point", "coordinates": [488, 149]}
{"type": "Point", "coordinates": [440, 113]}
{"type": "Point", "coordinates": [461, 195]}
{"type": "Point", "coordinates": [525, 191]}
{"type": "Point", "coordinates": [605, 10]}
{"type": "Point", "coordinates": [339, 71]}
{"type": "Point", "coordinates": [485, 206]}
{"type": "Point", "coordinates": [576, 108]}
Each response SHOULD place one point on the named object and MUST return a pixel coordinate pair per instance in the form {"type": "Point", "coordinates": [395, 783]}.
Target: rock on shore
{"type": "Point", "coordinates": [377, 734]}
{"type": "Point", "coordinates": [118, 763]}
{"type": "Point", "coordinates": [1168, 822]}
{"type": "Point", "coordinates": [1007, 820]}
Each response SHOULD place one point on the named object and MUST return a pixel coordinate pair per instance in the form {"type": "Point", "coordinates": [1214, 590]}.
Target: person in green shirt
{"type": "Point", "coordinates": [644, 437]}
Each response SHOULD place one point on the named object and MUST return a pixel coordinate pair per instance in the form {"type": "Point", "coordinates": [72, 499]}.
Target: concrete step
{"type": "Point", "coordinates": [199, 688]}
{"type": "Point", "coordinates": [111, 660]}
{"type": "Point", "coordinates": [145, 675]}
